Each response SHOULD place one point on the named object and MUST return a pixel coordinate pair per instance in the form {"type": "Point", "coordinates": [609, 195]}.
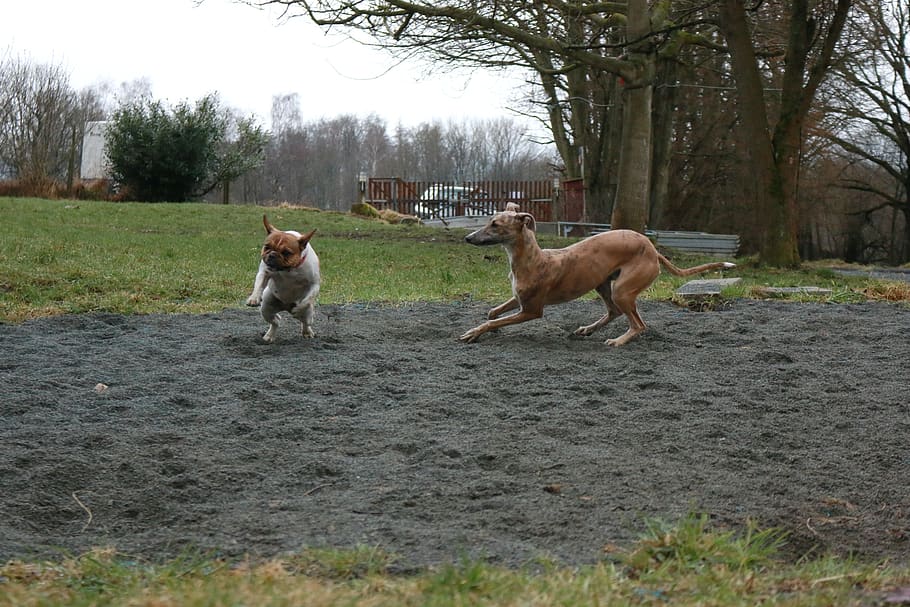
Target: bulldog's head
{"type": "Point", "coordinates": [284, 250]}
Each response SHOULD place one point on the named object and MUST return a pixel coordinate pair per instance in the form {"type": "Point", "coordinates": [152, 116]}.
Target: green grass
{"type": "Point", "coordinates": [66, 257]}
{"type": "Point", "coordinates": [687, 563]}
{"type": "Point", "coordinates": [71, 257]}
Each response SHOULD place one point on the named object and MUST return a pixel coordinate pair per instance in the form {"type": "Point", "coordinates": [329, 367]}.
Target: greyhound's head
{"type": "Point", "coordinates": [502, 228]}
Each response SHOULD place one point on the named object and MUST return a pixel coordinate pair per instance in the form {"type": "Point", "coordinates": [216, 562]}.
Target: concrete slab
{"type": "Point", "coordinates": [702, 288]}
{"type": "Point", "coordinates": [795, 291]}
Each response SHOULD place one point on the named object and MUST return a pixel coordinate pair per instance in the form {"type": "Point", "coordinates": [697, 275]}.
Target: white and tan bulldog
{"type": "Point", "coordinates": [287, 280]}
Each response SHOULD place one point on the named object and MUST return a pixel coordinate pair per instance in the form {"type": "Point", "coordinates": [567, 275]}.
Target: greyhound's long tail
{"type": "Point", "coordinates": [717, 265]}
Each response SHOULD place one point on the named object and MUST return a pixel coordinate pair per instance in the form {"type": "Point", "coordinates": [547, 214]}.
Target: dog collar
{"type": "Point", "coordinates": [302, 258]}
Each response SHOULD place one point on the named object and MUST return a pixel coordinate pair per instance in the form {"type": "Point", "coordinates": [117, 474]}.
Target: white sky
{"type": "Point", "coordinates": [187, 50]}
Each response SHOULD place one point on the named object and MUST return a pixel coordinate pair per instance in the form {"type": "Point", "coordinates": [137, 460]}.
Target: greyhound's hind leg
{"type": "Point", "coordinates": [625, 293]}
{"type": "Point", "coordinates": [606, 294]}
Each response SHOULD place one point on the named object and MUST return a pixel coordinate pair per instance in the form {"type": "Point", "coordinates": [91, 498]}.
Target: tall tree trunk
{"type": "Point", "coordinates": [777, 158]}
{"type": "Point", "coordinates": [630, 209]}
{"type": "Point", "coordinates": [662, 140]}
{"type": "Point", "coordinates": [903, 255]}
{"type": "Point", "coordinates": [772, 215]}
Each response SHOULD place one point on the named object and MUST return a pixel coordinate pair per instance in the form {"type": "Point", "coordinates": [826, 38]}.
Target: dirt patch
{"type": "Point", "coordinates": [386, 431]}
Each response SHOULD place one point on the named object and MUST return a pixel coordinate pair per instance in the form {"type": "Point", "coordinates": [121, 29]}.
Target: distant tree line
{"type": "Point", "coordinates": [319, 163]}
{"type": "Point", "coordinates": [204, 151]}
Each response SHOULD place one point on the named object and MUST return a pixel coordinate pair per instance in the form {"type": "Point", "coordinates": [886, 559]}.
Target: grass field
{"type": "Point", "coordinates": [72, 257]}
{"type": "Point", "coordinates": [60, 257]}
{"type": "Point", "coordinates": [684, 564]}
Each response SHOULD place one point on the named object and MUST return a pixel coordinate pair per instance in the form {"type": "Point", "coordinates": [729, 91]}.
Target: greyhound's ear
{"type": "Point", "coordinates": [528, 220]}
{"type": "Point", "coordinates": [512, 206]}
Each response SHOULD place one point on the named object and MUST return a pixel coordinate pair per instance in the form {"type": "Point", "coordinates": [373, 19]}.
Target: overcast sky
{"type": "Point", "coordinates": [187, 50]}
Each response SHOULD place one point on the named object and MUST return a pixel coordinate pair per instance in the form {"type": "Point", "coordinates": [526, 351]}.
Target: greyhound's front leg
{"type": "Point", "coordinates": [503, 307]}
{"type": "Point", "coordinates": [522, 316]}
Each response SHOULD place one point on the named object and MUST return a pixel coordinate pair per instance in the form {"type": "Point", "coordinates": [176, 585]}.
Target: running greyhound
{"type": "Point", "coordinates": [618, 264]}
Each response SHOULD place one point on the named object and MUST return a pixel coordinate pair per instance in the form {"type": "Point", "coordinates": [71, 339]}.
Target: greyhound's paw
{"type": "Point", "coordinates": [583, 331]}
{"type": "Point", "coordinates": [622, 339]}
{"type": "Point", "coordinates": [470, 337]}
{"type": "Point", "coordinates": [308, 332]}
{"type": "Point", "coordinates": [252, 300]}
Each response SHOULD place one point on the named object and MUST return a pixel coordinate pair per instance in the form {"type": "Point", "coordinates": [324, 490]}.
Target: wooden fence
{"type": "Point", "coordinates": [433, 200]}
{"type": "Point", "coordinates": [565, 207]}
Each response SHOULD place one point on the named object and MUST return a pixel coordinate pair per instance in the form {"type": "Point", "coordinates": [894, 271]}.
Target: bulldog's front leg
{"type": "Point", "coordinates": [262, 278]}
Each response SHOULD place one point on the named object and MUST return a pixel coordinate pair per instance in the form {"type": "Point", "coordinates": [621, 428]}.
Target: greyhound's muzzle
{"type": "Point", "coordinates": [480, 238]}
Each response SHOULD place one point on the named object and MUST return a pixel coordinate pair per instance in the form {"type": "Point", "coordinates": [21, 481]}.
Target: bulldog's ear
{"type": "Point", "coordinates": [512, 206]}
{"type": "Point", "coordinates": [269, 228]}
{"type": "Point", "coordinates": [528, 220]}
{"type": "Point", "coordinates": [306, 238]}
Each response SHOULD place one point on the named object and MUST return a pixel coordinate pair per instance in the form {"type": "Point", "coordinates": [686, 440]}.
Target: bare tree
{"type": "Point", "coordinates": [584, 57]}
{"type": "Point", "coordinates": [774, 131]}
{"type": "Point", "coordinates": [432, 159]}
{"type": "Point", "coordinates": [708, 173]}
{"type": "Point", "coordinates": [868, 115]}
{"type": "Point", "coordinates": [375, 147]}
{"type": "Point", "coordinates": [286, 114]}
{"type": "Point", "coordinates": [591, 61]}
{"type": "Point", "coordinates": [457, 143]}
{"type": "Point", "coordinates": [320, 163]}
{"type": "Point", "coordinates": [38, 110]}
{"type": "Point", "coordinates": [282, 167]}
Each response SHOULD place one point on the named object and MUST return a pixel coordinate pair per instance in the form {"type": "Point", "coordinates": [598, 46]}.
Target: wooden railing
{"type": "Point", "coordinates": [723, 245]}
{"type": "Point", "coordinates": [433, 199]}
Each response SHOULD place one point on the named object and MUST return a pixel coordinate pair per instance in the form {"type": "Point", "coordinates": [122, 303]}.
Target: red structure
{"type": "Point", "coordinates": [428, 199]}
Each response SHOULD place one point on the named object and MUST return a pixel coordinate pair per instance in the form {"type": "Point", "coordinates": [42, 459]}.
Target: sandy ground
{"type": "Point", "coordinates": [386, 431]}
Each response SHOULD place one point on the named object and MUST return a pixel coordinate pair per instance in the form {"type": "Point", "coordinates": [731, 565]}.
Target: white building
{"type": "Point", "coordinates": [94, 162]}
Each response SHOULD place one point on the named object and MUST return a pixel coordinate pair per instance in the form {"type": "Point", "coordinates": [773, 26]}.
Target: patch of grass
{"type": "Point", "coordinates": [690, 544]}
{"type": "Point", "coordinates": [334, 564]}
{"type": "Point", "coordinates": [67, 257]}
{"type": "Point", "coordinates": [686, 563]}
{"type": "Point", "coordinates": [887, 291]}
{"type": "Point", "coordinates": [133, 258]}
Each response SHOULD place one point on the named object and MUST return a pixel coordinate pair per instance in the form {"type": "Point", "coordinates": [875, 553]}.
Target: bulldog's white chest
{"type": "Point", "coordinates": [291, 286]}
